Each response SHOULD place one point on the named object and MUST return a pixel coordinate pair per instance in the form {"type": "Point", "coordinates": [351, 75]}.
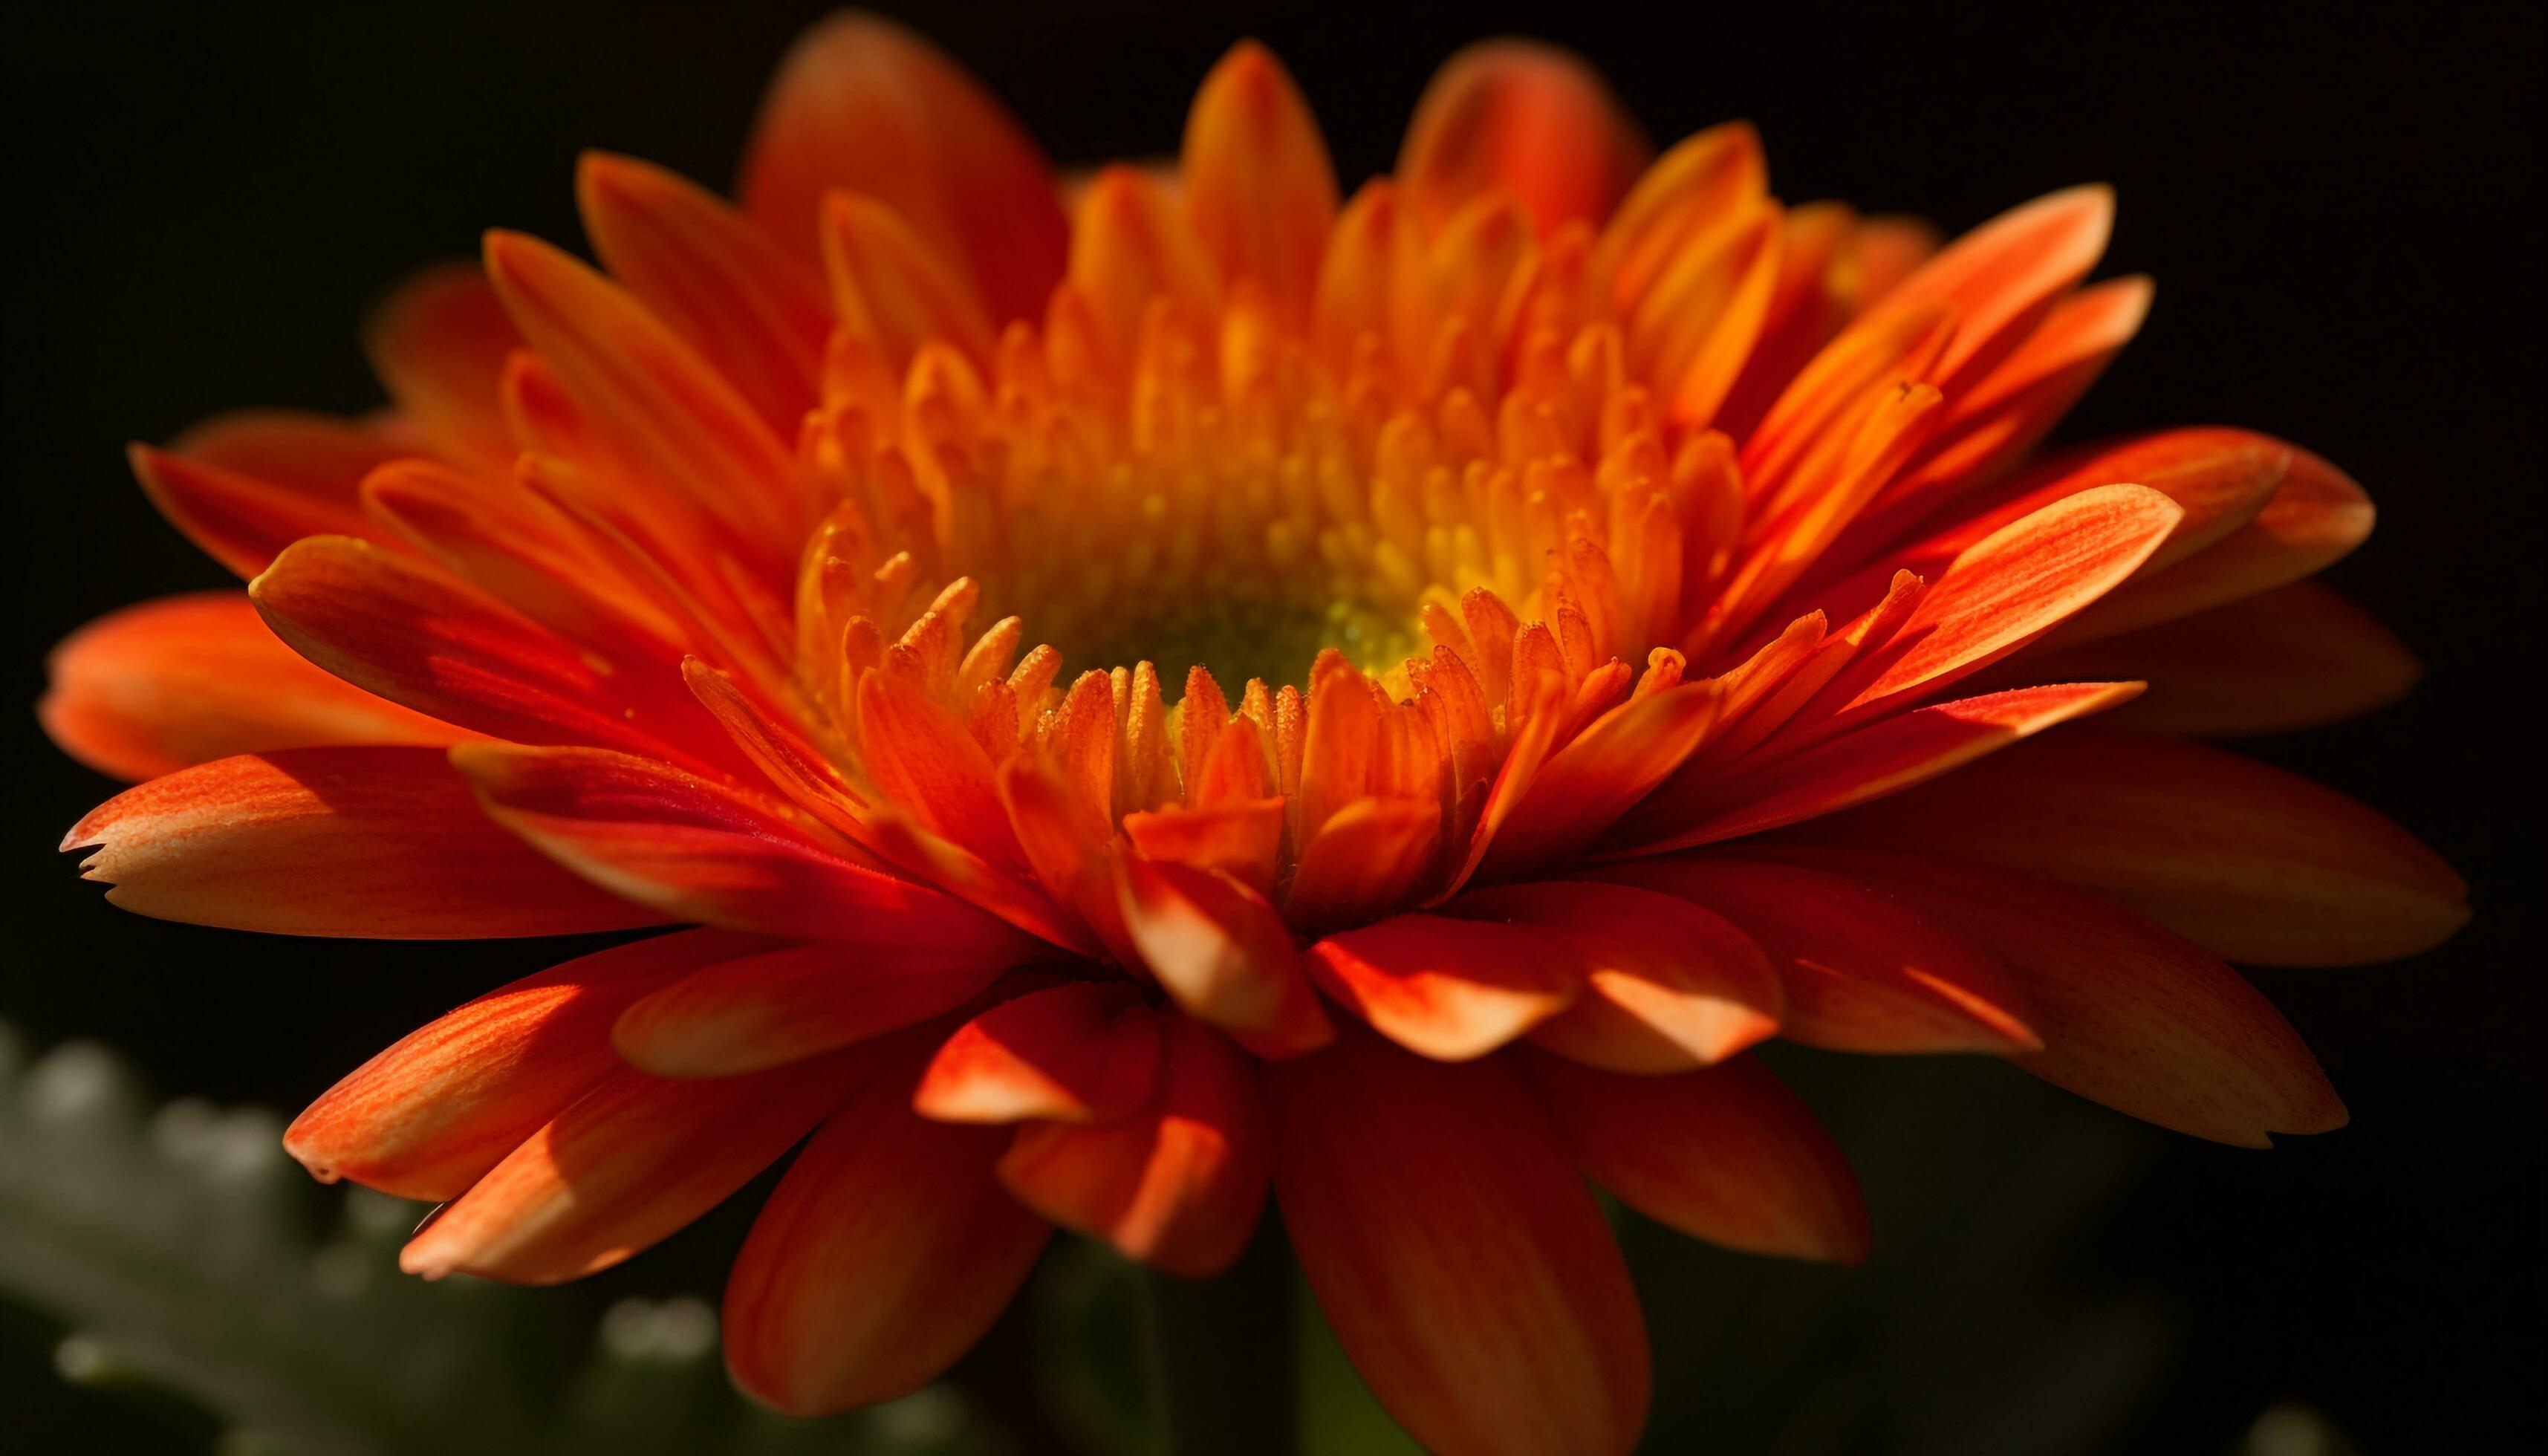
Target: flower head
{"type": "Point", "coordinates": [1185, 680]}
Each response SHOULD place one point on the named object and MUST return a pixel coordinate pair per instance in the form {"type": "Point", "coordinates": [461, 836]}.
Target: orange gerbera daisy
{"type": "Point", "coordinates": [1574, 576]}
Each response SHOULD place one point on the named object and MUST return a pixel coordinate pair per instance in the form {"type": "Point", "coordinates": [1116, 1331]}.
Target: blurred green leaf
{"type": "Point", "coordinates": [191, 1265]}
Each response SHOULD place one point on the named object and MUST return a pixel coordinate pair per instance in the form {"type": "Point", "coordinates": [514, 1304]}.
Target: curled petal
{"type": "Point", "coordinates": [1667, 985]}
{"type": "Point", "coordinates": [377, 843]}
{"type": "Point", "coordinates": [1863, 971]}
{"type": "Point", "coordinates": [1452, 1245]}
{"type": "Point", "coordinates": [1086, 1052]}
{"type": "Point", "coordinates": [1726, 1153]}
{"type": "Point", "coordinates": [430, 1115]}
{"type": "Point", "coordinates": [1177, 1185]}
{"type": "Point", "coordinates": [185, 679]}
{"type": "Point", "coordinates": [885, 1253]}
{"type": "Point", "coordinates": [1449, 990]}
{"type": "Point", "coordinates": [1222, 953]}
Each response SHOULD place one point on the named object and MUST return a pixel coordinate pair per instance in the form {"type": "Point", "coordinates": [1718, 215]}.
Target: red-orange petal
{"type": "Point", "coordinates": [379, 843]}
{"type": "Point", "coordinates": [1448, 989]}
{"type": "Point", "coordinates": [417, 637]}
{"type": "Point", "coordinates": [180, 681]}
{"type": "Point", "coordinates": [1524, 118]}
{"type": "Point", "coordinates": [626, 1164]}
{"type": "Point", "coordinates": [1863, 971]}
{"type": "Point", "coordinates": [242, 487]}
{"type": "Point", "coordinates": [1084, 1051]}
{"type": "Point", "coordinates": [750, 1013]}
{"type": "Point", "coordinates": [2131, 1017]}
{"type": "Point", "coordinates": [1883, 759]}
{"type": "Point", "coordinates": [439, 343]}
{"type": "Point", "coordinates": [1726, 1153]}
{"type": "Point", "coordinates": [883, 1254]}
{"type": "Point", "coordinates": [428, 1116]}
{"type": "Point", "coordinates": [702, 851]}
{"type": "Point", "coordinates": [2292, 658]}
{"type": "Point", "coordinates": [724, 285]}
{"type": "Point", "coordinates": [1222, 953]}
{"type": "Point", "coordinates": [863, 104]}
{"type": "Point", "coordinates": [1667, 985]}
{"type": "Point", "coordinates": [2252, 863]}
{"type": "Point", "coordinates": [1454, 1248]}
{"type": "Point", "coordinates": [1177, 1185]}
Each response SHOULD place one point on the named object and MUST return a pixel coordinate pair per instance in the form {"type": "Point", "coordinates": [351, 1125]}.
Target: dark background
{"type": "Point", "coordinates": [2337, 203]}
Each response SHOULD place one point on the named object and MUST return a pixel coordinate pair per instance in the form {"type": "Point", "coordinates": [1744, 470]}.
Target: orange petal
{"type": "Point", "coordinates": [1449, 990]}
{"type": "Point", "coordinates": [2002, 592]}
{"type": "Point", "coordinates": [885, 1253]}
{"type": "Point", "coordinates": [702, 851]}
{"type": "Point", "coordinates": [186, 680]}
{"type": "Point", "coordinates": [2313, 522]}
{"type": "Point", "coordinates": [1667, 985]}
{"type": "Point", "coordinates": [890, 289]}
{"type": "Point", "coordinates": [1086, 1052]}
{"type": "Point", "coordinates": [378, 843]}
{"type": "Point", "coordinates": [1258, 184]}
{"type": "Point", "coordinates": [1466, 1270]}
{"type": "Point", "coordinates": [2292, 658]}
{"type": "Point", "coordinates": [1883, 759]}
{"type": "Point", "coordinates": [242, 487]}
{"type": "Point", "coordinates": [430, 1116]}
{"type": "Point", "coordinates": [650, 395]}
{"type": "Point", "coordinates": [2002, 277]}
{"type": "Point", "coordinates": [1132, 246]}
{"type": "Point", "coordinates": [1600, 775]}
{"type": "Point", "coordinates": [722, 283]}
{"type": "Point", "coordinates": [417, 637]}
{"type": "Point", "coordinates": [1179, 1184]}
{"type": "Point", "coordinates": [439, 343]}
{"type": "Point", "coordinates": [2250, 863]}
{"type": "Point", "coordinates": [1726, 1153]}
{"type": "Point", "coordinates": [863, 104]}
{"type": "Point", "coordinates": [628, 1164]}
{"type": "Point", "coordinates": [2131, 1017]}
{"type": "Point", "coordinates": [1862, 972]}
{"type": "Point", "coordinates": [1222, 953]}
{"type": "Point", "coordinates": [1524, 118]}
{"type": "Point", "coordinates": [750, 1013]}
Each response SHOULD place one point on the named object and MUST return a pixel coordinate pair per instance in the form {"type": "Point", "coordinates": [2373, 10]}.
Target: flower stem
{"type": "Point", "coordinates": [1222, 1354]}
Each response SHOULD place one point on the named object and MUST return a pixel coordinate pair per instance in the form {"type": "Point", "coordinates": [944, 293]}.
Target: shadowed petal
{"type": "Point", "coordinates": [1726, 1153]}
{"type": "Point", "coordinates": [750, 1013]}
{"type": "Point", "coordinates": [627, 1164]}
{"type": "Point", "coordinates": [1086, 1052]}
{"type": "Point", "coordinates": [1449, 990]}
{"type": "Point", "coordinates": [186, 680]}
{"type": "Point", "coordinates": [1177, 1185]}
{"type": "Point", "coordinates": [1864, 972]}
{"type": "Point", "coordinates": [430, 1115]}
{"type": "Point", "coordinates": [1452, 1245]}
{"type": "Point", "coordinates": [885, 1253]}
{"type": "Point", "coordinates": [2248, 861]}
{"type": "Point", "coordinates": [2131, 1016]}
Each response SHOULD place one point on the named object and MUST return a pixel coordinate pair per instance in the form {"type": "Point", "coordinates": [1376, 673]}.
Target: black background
{"type": "Point", "coordinates": [2338, 205]}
